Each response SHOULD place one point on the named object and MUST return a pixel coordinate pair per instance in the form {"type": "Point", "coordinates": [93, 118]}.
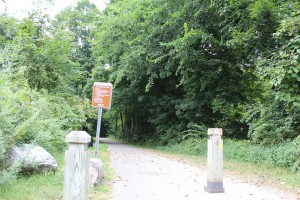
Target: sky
{"type": "Point", "coordinates": [20, 8]}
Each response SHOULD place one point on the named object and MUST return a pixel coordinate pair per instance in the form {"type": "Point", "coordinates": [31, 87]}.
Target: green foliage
{"type": "Point", "coordinates": [282, 67]}
{"type": "Point", "coordinates": [276, 116]}
{"type": "Point", "coordinates": [190, 146]}
{"type": "Point", "coordinates": [38, 102]}
{"type": "Point", "coordinates": [8, 28]}
{"type": "Point", "coordinates": [169, 68]}
{"type": "Point", "coordinates": [49, 186]}
{"type": "Point", "coordinates": [266, 45]}
{"type": "Point", "coordinates": [80, 21]}
{"type": "Point", "coordinates": [48, 59]}
{"type": "Point", "coordinates": [264, 14]}
{"type": "Point", "coordinates": [2, 147]}
{"type": "Point", "coordinates": [177, 67]}
{"type": "Point", "coordinates": [271, 123]}
{"type": "Point", "coordinates": [296, 150]}
{"type": "Point", "coordinates": [8, 174]}
{"type": "Point", "coordinates": [195, 131]}
{"type": "Point", "coordinates": [284, 154]}
{"type": "Point", "coordinates": [37, 186]}
{"type": "Point", "coordinates": [27, 112]}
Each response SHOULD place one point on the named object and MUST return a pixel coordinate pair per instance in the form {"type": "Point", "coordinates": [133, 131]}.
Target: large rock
{"type": "Point", "coordinates": [34, 159]}
{"type": "Point", "coordinates": [96, 172]}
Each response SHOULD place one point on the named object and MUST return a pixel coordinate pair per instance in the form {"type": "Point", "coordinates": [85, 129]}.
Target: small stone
{"type": "Point", "coordinates": [96, 172]}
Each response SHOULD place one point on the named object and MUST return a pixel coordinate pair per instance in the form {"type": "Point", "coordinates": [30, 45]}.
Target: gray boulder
{"type": "Point", "coordinates": [96, 172]}
{"type": "Point", "coordinates": [32, 159]}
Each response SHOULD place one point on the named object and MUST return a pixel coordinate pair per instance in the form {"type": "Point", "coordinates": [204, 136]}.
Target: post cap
{"type": "Point", "coordinates": [78, 137]}
{"type": "Point", "coordinates": [215, 131]}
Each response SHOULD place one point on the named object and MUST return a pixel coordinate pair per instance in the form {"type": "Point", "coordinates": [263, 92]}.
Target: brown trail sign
{"type": "Point", "coordinates": [102, 93]}
{"type": "Point", "coordinates": [101, 98]}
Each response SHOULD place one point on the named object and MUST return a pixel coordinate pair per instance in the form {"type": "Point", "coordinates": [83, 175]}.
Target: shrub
{"type": "Point", "coordinates": [295, 149]}
{"type": "Point", "coordinates": [284, 154]}
{"type": "Point", "coordinates": [28, 116]}
{"type": "Point", "coordinates": [271, 122]}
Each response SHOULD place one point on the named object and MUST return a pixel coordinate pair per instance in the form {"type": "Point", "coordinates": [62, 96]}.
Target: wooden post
{"type": "Point", "coordinates": [214, 161]}
{"type": "Point", "coordinates": [77, 164]}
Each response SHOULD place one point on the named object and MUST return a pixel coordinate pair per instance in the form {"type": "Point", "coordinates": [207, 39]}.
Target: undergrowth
{"type": "Point", "coordinates": [285, 154]}
{"type": "Point", "coordinates": [50, 185]}
{"type": "Point", "coordinates": [274, 165]}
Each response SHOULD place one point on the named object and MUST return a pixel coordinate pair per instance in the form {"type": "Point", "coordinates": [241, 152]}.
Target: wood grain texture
{"type": "Point", "coordinates": [76, 168]}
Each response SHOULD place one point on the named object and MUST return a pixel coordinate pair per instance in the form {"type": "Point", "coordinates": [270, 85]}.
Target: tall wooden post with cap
{"type": "Point", "coordinates": [214, 161]}
{"type": "Point", "coordinates": [77, 165]}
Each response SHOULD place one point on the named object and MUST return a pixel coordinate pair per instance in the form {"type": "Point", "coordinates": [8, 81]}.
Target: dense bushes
{"type": "Point", "coordinates": [272, 121]}
{"type": "Point", "coordinates": [35, 109]}
{"type": "Point", "coordinates": [28, 116]}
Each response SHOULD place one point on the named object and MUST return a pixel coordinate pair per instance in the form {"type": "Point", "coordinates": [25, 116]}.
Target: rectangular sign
{"type": "Point", "coordinates": [102, 93]}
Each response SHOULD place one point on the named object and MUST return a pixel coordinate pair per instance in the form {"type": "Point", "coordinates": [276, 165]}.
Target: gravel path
{"type": "Point", "coordinates": [145, 175]}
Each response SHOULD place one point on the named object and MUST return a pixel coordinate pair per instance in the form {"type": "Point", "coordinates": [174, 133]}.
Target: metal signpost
{"type": "Point", "coordinates": [101, 98]}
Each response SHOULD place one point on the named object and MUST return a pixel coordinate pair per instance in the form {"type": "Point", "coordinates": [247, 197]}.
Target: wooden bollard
{"type": "Point", "coordinates": [214, 161]}
{"type": "Point", "coordinates": [77, 164]}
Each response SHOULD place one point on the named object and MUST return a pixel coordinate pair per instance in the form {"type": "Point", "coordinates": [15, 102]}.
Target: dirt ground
{"type": "Point", "coordinates": [145, 175]}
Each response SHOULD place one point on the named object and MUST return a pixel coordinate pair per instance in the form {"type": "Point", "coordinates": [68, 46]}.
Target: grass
{"type": "Point", "coordinates": [50, 185]}
{"type": "Point", "coordinates": [194, 153]}
{"type": "Point", "coordinates": [37, 186]}
{"type": "Point", "coordinates": [262, 175]}
{"type": "Point", "coordinates": [275, 177]}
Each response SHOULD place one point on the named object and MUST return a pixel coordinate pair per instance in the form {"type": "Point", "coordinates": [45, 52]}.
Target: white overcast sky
{"type": "Point", "coordinates": [20, 8]}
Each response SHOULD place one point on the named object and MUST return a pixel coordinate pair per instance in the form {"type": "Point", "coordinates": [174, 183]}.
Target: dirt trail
{"type": "Point", "coordinates": [145, 175]}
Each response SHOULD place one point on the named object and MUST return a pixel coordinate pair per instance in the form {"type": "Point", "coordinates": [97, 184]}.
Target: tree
{"type": "Point", "coordinates": [38, 103]}
{"type": "Point", "coordinates": [80, 21]}
{"type": "Point", "coordinates": [277, 118]}
{"type": "Point", "coordinates": [166, 64]}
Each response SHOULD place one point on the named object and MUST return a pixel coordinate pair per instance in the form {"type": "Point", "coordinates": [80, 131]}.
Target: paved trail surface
{"type": "Point", "coordinates": [146, 175]}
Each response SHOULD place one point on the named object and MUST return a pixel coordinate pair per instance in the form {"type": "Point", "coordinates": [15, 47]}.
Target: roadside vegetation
{"type": "Point", "coordinates": [178, 68]}
{"type": "Point", "coordinates": [262, 170]}
{"type": "Point", "coordinates": [280, 155]}
{"type": "Point", "coordinates": [49, 186]}
{"type": "Point", "coordinates": [186, 66]}
{"type": "Point", "coordinates": [37, 186]}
